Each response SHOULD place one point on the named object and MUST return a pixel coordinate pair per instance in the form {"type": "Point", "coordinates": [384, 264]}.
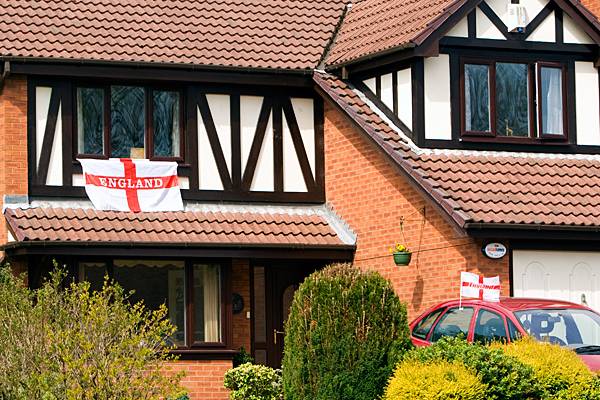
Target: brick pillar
{"type": "Point", "coordinates": [593, 6]}
{"type": "Point", "coordinates": [13, 141]}
{"type": "Point", "coordinates": [241, 285]}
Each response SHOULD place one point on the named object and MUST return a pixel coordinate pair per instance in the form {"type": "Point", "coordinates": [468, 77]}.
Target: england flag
{"type": "Point", "coordinates": [123, 184]}
{"type": "Point", "coordinates": [477, 286]}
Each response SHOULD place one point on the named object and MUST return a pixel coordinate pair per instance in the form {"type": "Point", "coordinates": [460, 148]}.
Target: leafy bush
{"type": "Point", "coordinates": [254, 382]}
{"type": "Point", "coordinates": [559, 372]}
{"type": "Point", "coordinates": [506, 377]}
{"type": "Point", "coordinates": [346, 331]}
{"type": "Point", "coordinates": [242, 357]}
{"type": "Point", "coordinates": [64, 341]}
{"type": "Point", "coordinates": [434, 381]}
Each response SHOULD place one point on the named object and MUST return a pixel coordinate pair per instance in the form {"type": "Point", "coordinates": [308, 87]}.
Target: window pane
{"type": "Point", "coordinates": [424, 326]}
{"type": "Point", "coordinates": [90, 121]}
{"type": "Point", "coordinates": [552, 101]}
{"type": "Point", "coordinates": [156, 283]}
{"type": "Point", "coordinates": [454, 323]}
{"type": "Point", "coordinates": [512, 100]}
{"type": "Point", "coordinates": [489, 327]}
{"type": "Point", "coordinates": [166, 124]}
{"type": "Point", "coordinates": [513, 331]}
{"type": "Point", "coordinates": [127, 116]}
{"type": "Point", "coordinates": [207, 303]}
{"type": "Point", "coordinates": [477, 98]}
{"type": "Point", "coordinates": [94, 273]}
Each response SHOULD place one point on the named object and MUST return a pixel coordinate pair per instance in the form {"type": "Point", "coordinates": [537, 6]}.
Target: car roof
{"type": "Point", "coordinates": [517, 304]}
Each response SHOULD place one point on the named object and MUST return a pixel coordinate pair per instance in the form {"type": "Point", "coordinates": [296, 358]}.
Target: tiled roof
{"type": "Point", "coordinates": [192, 227]}
{"type": "Point", "coordinates": [289, 34]}
{"type": "Point", "coordinates": [485, 188]}
{"type": "Point", "coordinates": [374, 26]}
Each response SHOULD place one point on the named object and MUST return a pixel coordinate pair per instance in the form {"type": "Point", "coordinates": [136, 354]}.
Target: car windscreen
{"type": "Point", "coordinates": [571, 327]}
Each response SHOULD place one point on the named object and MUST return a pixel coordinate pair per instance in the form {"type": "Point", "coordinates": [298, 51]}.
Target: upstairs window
{"type": "Point", "coordinates": [129, 122]}
{"type": "Point", "coordinates": [513, 101]}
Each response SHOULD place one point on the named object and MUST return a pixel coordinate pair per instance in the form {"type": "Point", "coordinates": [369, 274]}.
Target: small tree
{"type": "Point", "coordinates": [346, 331]}
{"type": "Point", "coordinates": [65, 341]}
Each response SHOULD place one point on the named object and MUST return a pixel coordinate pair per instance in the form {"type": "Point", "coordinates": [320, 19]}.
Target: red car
{"type": "Point", "coordinates": [567, 324]}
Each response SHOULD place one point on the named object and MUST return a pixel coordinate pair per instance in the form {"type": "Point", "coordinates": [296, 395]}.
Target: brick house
{"type": "Point", "coordinates": [305, 133]}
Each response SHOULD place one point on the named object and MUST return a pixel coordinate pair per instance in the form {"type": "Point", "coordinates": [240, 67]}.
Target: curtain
{"type": "Point", "coordinates": [512, 99]}
{"type": "Point", "coordinates": [90, 121]}
{"type": "Point", "coordinates": [166, 123]}
{"type": "Point", "coordinates": [477, 99]}
{"type": "Point", "coordinates": [552, 112]}
{"type": "Point", "coordinates": [212, 301]}
{"type": "Point", "coordinates": [128, 121]}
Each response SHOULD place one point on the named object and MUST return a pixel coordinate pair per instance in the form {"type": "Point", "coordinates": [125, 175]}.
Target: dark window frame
{"type": "Point", "coordinates": [225, 295]}
{"type": "Point", "coordinates": [534, 96]}
{"type": "Point", "coordinates": [149, 119]}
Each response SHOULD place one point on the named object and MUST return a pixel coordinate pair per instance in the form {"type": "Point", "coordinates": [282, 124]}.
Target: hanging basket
{"type": "Point", "coordinates": [402, 258]}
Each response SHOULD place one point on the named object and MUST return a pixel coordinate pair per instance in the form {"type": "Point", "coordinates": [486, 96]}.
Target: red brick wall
{"type": "Point", "coordinates": [241, 285]}
{"type": "Point", "coordinates": [592, 5]}
{"type": "Point", "coordinates": [203, 379]}
{"type": "Point", "coordinates": [372, 196]}
{"type": "Point", "coordinates": [13, 141]}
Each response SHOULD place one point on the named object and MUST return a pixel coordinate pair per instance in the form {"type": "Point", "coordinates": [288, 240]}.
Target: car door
{"type": "Point", "coordinates": [490, 326]}
{"type": "Point", "coordinates": [456, 321]}
{"type": "Point", "coordinates": [421, 330]}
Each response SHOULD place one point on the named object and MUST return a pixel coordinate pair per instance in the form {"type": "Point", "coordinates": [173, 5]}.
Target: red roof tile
{"type": "Point", "coordinates": [88, 225]}
{"type": "Point", "coordinates": [487, 188]}
{"type": "Point", "coordinates": [282, 34]}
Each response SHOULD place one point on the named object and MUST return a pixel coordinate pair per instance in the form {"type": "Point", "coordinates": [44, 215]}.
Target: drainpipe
{"type": "Point", "coordinates": [5, 74]}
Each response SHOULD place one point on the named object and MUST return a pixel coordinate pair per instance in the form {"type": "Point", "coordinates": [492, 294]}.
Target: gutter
{"type": "Point", "coordinates": [531, 227]}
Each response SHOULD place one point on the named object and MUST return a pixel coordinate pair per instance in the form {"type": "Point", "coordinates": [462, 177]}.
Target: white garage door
{"type": "Point", "coordinates": [563, 275]}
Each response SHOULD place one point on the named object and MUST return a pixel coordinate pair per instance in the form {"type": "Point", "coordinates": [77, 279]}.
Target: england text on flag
{"type": "Point", "coordinates": [122, 184]}
{"type": "Point", "coordinates": [477, 286]}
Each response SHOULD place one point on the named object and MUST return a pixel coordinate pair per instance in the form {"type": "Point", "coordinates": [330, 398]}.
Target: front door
{"type": "Point", "coordinates": [274, 288]}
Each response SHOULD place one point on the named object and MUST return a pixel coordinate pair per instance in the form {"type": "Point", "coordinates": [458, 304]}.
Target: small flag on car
{"type": "Point", "coordinates": [479, 287]}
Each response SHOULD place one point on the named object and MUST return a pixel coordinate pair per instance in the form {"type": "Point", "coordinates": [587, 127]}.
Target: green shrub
{"type": "Point", "coordinates": [438, 380]}
{"type": "Point", "coordinates": [506, 377]}
{"type": "Point", "coordinates": [254, 382]}
{"type": "Point", "coordinates": [64, 341]}
{"type": "Point", "coordinates": [242, 357]}
{"type": "Point", "coordinates": [346, 331]}
{"type": "Point", "coordinates": [559, 372]}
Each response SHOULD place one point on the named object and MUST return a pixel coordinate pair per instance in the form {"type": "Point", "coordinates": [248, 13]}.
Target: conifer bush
{"type": "Point", "coordinates": [346, 331]}
{"type": "Point", "coordinates": [67, 342]}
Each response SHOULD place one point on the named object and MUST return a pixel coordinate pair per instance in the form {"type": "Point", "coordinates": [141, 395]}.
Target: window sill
{"type": "Point", "coordinates": [516, 140]}
{"type": "Point", "coordinates": [204, 354]}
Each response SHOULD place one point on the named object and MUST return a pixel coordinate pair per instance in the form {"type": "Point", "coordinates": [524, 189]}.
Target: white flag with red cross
{"type": "Point", "coordinates": [123, 184]}
{"type": "Point", "coordinates": [477, 286]}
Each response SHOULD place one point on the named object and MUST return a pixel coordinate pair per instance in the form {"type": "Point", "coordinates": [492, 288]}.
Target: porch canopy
{"type": "Point", "coordinates": [292, 232]}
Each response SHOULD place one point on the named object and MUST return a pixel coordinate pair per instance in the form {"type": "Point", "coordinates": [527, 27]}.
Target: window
{"type": "Point", "coordinates": [129, 122]}
{"type": "Point", "coordinates": [194, 306]}
{"type": "Point", "coordinates": [513, 332]}
{"type": "Point", "coordinates": [489, 327]}
{"type": "Point", "coordinates": [567, 327]}
{"type": "Point", "coordinates": [422, 329]}
{"type": "Point", "coordinates": [453, 323]}
{"type": "Point", "coordinates": [513, 101]}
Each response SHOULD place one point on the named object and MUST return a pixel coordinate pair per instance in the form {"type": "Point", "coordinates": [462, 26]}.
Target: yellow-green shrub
{"type": "Point", "coordinates": [558, 371]}
{"type": "Point", "coordinates": [440, 381]}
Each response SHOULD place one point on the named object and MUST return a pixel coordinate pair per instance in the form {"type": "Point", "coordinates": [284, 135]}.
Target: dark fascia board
{"type": "Point", "coordinates": [532, 231]}
{"type": "Point", "coordinates": [433, 196]}
{"type": "Point", "coordinates": [179, 250]}
{"type": "Point", "coordinates": [159, 71]}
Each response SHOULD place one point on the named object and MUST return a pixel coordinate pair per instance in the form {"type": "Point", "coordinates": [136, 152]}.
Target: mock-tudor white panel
{"type": "Point", "coordinates": [208, 174]}
{"type": "Point", "coordinates": [485, 28]}
{"type": "Point", "coordinates": [387, 91]}
{"type": "Point", "coordinates": [573, 33]}
{"type": "Point", "coordinates": [563, 275]}
{"type": "Point", "coordinates": [219, 108]}
{"type": "Point", "coordinates": [249, 112]}
{"type": "Point", "coordinates": [293, 181]}
{"type": "Point", "coordinates": [405, 97]}
{"type": "Point", "coordinates": [532, 7]}
{"type": "Point", "coordinates": [184, 182]}
{"type": "Point", "coordinates": [461, 29]}
{"type": "Point", "coordinates": [42, 104]}
{"type": "Point", "coordinates": [437, 98]}
{"type": "Point", "coordinates": [54, 177]}
{"type": "Point", "coordinates": [545, 32]}
{"type": "Point", "coordinates": [371, 84]}
{"type": "Point", "coordinates": [263, 175]}
{"type": "Point", "coordinates": [587, 103]}
{"type": "Point", "coordinates": [305, 115]}
{"type": "Point", "coordinates": [78, 180]}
